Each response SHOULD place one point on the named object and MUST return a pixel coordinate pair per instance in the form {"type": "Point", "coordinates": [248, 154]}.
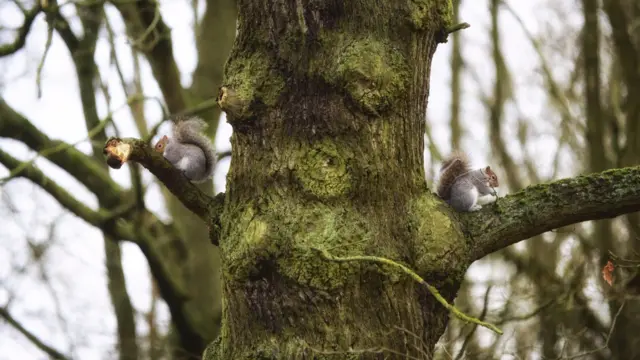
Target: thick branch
{"type": "Point", "coordinates": [540, 208]}
{"type": "Point", "coordinates": [15, 126]}
{"type": "Point", "coordinates": [119, 151]}
{"type": "Point", "coordinates": [61, 195]}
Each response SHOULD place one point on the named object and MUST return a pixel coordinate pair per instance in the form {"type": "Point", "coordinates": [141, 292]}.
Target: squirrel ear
{"type": "Point", "coordinates": [165, 137]}
{"type": "Point", "coordinates": [488, 168]}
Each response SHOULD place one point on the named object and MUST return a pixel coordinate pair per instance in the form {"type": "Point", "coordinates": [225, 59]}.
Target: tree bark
{"type": "Point", "coordinates": [327, 101]}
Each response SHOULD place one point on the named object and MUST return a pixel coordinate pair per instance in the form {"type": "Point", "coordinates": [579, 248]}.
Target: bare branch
{"type": "Point", "coordinates": [53, 353]}
{"type": "Point", "coordinates": [606, 343]}
{"type": "Point", "coordinates": [61, 25]}
{"type": "Point", "coordinates": [171, 286]}
{"type": "Point", "coordinates": [224, 154]}
{"type": "Point", "coordinates": [18, 43]}
{"type": "Point", "coordinates": [119, 151]}
{"type": "Point", "coordinates": [62, 196]}
{"type": "Point", "coordinates": [543, 207]}
{"type": "Point", "coordinates": [144, 23]}
{"type": "Point", "coordinates": [86, 170]}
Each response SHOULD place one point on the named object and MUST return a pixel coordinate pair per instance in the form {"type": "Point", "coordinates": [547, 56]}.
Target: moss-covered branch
{"type": "Point", "coordinates": [543, 207]}
{"type": "Point", "coordinates": [119, 151]}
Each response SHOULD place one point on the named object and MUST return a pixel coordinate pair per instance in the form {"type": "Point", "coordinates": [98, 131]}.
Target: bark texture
{"type": "Point", "coordinates": [327, 100]}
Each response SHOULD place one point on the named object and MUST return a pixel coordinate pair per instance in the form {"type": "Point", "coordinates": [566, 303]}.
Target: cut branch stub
{"type": "Point", "coordinates": [235, 107]}
{"type": "Point", "coordinates": [119, 151]}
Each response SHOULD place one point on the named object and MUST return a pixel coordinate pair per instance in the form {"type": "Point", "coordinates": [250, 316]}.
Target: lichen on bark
{"type": "Point", "coordinates": [332, 160]}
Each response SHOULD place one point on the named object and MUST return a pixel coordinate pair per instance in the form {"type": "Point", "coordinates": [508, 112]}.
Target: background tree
{"type": "Point", "coordinates": [545, 293]}
{"type": "Point", "coordinates": [184, 266]}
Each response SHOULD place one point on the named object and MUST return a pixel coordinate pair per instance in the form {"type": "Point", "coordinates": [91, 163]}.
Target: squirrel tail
{"type": "Point", "coordinates": [452, 167]}
{"type": "Point", "coordinates": [189, 131]}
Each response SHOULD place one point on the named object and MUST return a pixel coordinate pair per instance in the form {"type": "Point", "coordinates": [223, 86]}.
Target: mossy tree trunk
{"type": "Point", "coordinates": [327, 101]}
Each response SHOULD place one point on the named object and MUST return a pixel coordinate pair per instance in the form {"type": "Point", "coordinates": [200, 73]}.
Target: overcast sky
{"type": "Point", "coordinates": [74, 264]}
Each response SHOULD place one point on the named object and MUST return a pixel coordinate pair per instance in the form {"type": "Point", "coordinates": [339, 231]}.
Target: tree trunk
{"type": "Point", "coordinates": [327, 100]}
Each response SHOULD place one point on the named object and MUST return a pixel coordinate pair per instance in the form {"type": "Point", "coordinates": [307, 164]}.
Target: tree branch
{"type": "Point", "coordinates": [18, 43]}
{"type": "Point", "coordinates": [62, 196]}
{"type": "Point", "coordinates": [86, 170]}
{"type": "Point", "coordinates": [172, 288]}
{"type": "Point", "coordinates": [53, 353]}
{"type": "Point", "coordinates": [543, 207]}
{"type": "Point", "coordinates": [152, 37]}
{"type": "Point", "coordinates": [119, 151]}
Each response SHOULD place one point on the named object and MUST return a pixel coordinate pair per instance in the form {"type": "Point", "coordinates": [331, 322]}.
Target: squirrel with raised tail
{"type": "Point", "coordinates": [189, 150]}
{"type": "Point", "coordinates": [463, 188]}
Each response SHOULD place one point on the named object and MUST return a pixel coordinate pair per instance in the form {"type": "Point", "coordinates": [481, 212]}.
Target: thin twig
{"type": "Point", "coordinates": [467, 339]}
{"type": "Point", "coordinates": [462, 316]}
{"type": "Point", "coordinates": [51, 20]}
{"type": "Point", "coordinates": [53, 353]}
{"type": "Point", "coordinates": [457, 27]}
{"type": "Point", "coordinates": [606, 343]}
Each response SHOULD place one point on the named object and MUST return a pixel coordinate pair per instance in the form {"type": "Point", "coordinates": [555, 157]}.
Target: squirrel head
{"type": "Point", "coordinates": [159, 147]}
{"type": "Point", "coordinates": [492, 177]}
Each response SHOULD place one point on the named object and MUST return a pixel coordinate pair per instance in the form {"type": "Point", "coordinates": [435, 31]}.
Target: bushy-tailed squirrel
{"type": "Point", "coordinates": [189, 150]}
{"type": "Point", "coordinates": [463, 188]}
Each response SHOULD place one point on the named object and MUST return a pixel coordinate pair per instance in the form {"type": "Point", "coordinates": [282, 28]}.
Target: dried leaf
{"type": "Point", "coordinates": [607, 272]}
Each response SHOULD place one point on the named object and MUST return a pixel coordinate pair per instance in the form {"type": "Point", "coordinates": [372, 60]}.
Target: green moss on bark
{"type": "Point", "coordinates": [372, 72]}
{"type": "Point", "coordinates": [322, 170]}
{"type": "Point", "coordinates": [247, 242]}
{"type": "Point", "coordinates": [299, 229]}
{"type": "Point", "coordinates": [252, 78]}
{"type": "Point", "coordinates": [425, 13]}
{"type": "Point", "coordinates": [326, 228]}
{"type": "Point", "coordinates": [436, 238]}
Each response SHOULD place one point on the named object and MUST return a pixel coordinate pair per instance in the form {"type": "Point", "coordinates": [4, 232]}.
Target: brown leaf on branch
{"type": "Point", "coordinates": [607, 272]}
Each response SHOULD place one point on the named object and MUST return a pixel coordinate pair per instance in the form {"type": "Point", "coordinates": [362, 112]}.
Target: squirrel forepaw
{"type": "Point", "coordinates": [475, 207]}
{"type": "Point", "coordinates": [487, 199]}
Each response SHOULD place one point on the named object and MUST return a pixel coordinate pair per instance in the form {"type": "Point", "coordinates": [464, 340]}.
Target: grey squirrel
{"type": "Point", "coordinates": [463, 188]}
{"type": "Point", "coordinates": [189, 150]}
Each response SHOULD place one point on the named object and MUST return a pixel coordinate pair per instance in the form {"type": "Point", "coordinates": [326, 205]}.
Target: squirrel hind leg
{"type": "Point", "coordinates": [465, 198]}
{"type": "Point", "coordinates": [183, 164]}
{"type": "Point", "coordinates": [186, 167]}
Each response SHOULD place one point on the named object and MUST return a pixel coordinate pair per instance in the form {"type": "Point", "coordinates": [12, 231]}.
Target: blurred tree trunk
{"type": "Point", "coordinates": [92, 18]}
{"type": "Point", "coordinates": [199, 261]}
{"type": "Point", "coordinates": [457, 66]}
{"type": "Point", "coordinates": [624, 17]}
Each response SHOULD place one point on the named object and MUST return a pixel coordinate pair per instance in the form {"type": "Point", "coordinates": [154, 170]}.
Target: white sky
{"type": "Point", "coordinates": [75, 262]}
